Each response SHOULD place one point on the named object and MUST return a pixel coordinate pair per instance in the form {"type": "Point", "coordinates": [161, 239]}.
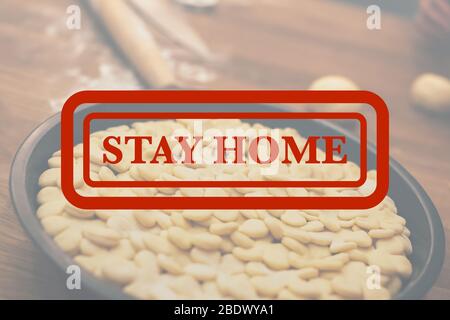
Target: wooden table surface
{"type": "Point", "coordinates": [282, 44]}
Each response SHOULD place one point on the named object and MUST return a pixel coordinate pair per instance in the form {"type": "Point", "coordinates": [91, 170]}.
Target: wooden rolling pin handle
{"type": "Point", "coordinates": [135, 40]}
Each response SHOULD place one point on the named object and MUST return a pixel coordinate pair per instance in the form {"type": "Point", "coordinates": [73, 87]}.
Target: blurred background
{"type": "Point", "coordinates": [50, 49]}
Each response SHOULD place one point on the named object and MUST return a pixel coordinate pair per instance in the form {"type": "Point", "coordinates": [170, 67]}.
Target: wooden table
{"type": "Point", "coordinates": [281, 44]}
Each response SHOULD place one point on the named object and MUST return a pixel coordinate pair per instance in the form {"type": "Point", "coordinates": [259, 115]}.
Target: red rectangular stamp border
{"type": "Point", "coordinates": [226, 115]}
{"type": "Point", "coordinates": [226, 96]}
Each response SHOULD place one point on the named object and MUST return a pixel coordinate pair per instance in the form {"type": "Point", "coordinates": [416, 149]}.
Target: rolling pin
{"type": "Point", "coordinates": [135, 40]}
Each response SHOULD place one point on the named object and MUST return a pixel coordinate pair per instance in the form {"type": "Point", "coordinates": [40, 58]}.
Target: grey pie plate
{"type": "Point", "coordinates": [427, 234]}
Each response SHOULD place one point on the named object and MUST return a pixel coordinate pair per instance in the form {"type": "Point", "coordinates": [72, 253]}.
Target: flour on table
{"type": "Point", "coordinates": [110, 77]}
{"type": "Point", "coordinates": [187, 72]}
